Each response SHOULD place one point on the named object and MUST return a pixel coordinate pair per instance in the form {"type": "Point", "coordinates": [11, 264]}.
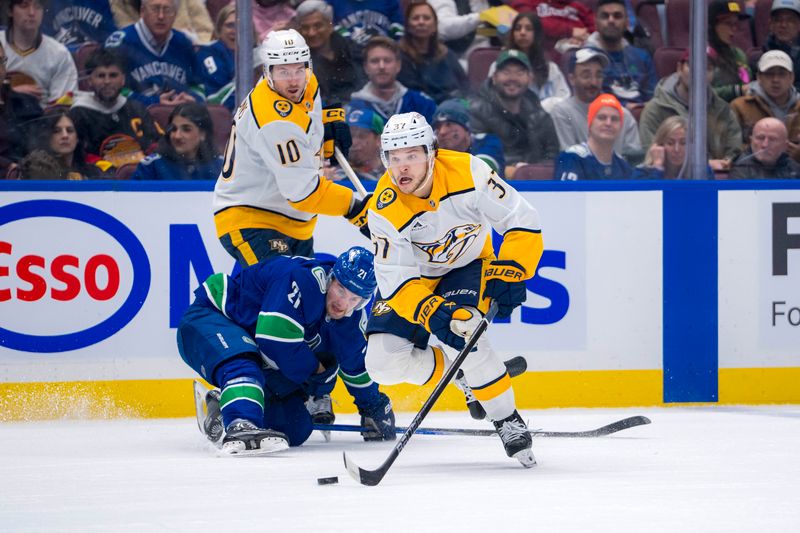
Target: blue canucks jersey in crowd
{"type": "Point", "coordinates": [358, 21]}
{"type": "Point", "coordinates": [579, 163]}
{"type": "Point", "coordinates": [217, 70]}
{"type": "Point", "coordinates": [74, 22]}
{"type": "Point", "coordinates": [489, 148]}
{"type": "Point", "coordinates": [281, 305]}
{"type": "Point", "coordinates": [158, 168]}
{"type": "Point", "coordinates": [150, 71]}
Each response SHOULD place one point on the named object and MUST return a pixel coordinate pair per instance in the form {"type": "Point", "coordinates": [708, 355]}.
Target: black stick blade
{"type": "Point", "coordinates": [369, 478]}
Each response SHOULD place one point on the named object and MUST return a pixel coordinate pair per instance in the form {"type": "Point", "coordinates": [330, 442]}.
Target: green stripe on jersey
{"type": "Point", "coordinates": [359, 381]}
{"type": "Point", "coordinates": [241, 391]}
{"type": "Point", "coordinates": [278, 327]}
{"type": "Point", "coordinates": [216, 287]}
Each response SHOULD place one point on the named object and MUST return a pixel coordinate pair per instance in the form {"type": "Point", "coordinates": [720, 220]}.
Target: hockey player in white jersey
{"type": "Point", "coordinates": [271, 187]}
{"type": "Point", "coordinates": [431, 221]}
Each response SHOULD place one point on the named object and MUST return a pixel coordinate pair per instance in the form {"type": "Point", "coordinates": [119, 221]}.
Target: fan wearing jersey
{"type": "Point", "coordinates": [431, 222]}
{"type": "Point", "coordinates": [271, 187]}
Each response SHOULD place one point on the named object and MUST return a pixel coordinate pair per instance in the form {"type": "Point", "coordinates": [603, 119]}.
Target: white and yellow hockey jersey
{"type": "Point", "coordinates": [419, 240]}
{"type": "Point", "coordinates": [272, 177]}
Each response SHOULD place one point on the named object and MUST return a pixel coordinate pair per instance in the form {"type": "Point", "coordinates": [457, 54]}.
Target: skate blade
{"type": "Point", "coordinates": [526, 458]}
{"type": "Point", "coordinates": [267, 446]}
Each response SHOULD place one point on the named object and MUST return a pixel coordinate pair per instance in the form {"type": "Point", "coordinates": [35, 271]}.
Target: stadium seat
{"type": "Point", "coordinates": [647, 15]}
{"type": "Point", "coordinates": [761, 21]}
{"type": "Point", "coordinates": [666, 60]}
{"type": "Point", "coordinates": [214, 7]}
{"type": "Point", "coordinates": [125, 171]}
{"type": "Point", "coordinates": [753, 55]}
{"type": "Point", "coordinates": [80, 57]}
{"type": "Point", "coordinates": [478, 64]}
{"type": "Point", "coordinates": [536, 171]}
{"type": "Point", "coordinates": [160, 113]}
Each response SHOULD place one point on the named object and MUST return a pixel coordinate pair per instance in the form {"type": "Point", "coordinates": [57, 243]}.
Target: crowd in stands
{"type": "Point", "coordinates": [539, 89]}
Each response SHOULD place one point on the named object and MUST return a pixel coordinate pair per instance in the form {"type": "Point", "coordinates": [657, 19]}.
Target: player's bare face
{"type": "Point", "coordinates": [340, 302]}
{"type": "Point", "coordinates": [107, 82]}
{"type": "Point", "coordinates": [409, 167]}
{"type": "Point", "coordinates": [290, 80]}
{"type": "Point", "coordinates": [185, 137]}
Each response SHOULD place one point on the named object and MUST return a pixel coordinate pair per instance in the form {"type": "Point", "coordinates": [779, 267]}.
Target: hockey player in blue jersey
{"type": "Point", "coordinates": [277, 334]}
{"type": "Point", "coordinates": [595, 159]}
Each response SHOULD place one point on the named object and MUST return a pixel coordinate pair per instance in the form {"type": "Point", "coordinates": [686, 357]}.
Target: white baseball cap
{"type": "Point", "coordinates": [792, 5]}
{"type": "Point", "coordinates": [775, 58]}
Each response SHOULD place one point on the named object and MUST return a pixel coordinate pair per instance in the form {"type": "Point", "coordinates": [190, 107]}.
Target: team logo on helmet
{"type": "Point", "coordinates": [386, 197]}
{"type": "Point", "coordinates": [449, 248]}
{"type": "Point", "coordinates": [283, 107]}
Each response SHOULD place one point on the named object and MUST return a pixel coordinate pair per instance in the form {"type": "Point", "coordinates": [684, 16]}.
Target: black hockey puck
{"type": "Point", "coordinates": [327, 480]}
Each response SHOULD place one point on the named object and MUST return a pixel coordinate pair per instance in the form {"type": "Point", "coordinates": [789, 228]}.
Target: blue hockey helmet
{"type": "Point", "coordinates": [355, 271]}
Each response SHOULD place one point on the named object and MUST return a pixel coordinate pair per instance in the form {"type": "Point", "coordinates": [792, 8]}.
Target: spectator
{"type": "Point", "coordinates": [452, 128]}
{"type": "Point", "coordinates": [112, 127]}
{"type": "Point", "coordinates": [527, 36]}
{"type": "Point", "coordinates": [75, 22]}
{"type": "Point", "coordinates": [771, 95]}
{"type": "Point", "coordinates": [359, 21]}
{"type": "Point", "coordinates": [42, 165]}
{"type": "Point", "coordinates": [724, 138]}
{"type": "Point", "coordinates": [269, 15]}
{"type": "Point", "coordinates": [217, 62]}
{"type": "Point", "coordinates": [187, 151]}
{"type": "Point", "coordinates": [428, 65]}
{"type": "Point", "coordinates": [17, 113]}
{"type": "Point", "coordinates": [160, 59]}
{"type": "Point", "coordinates": [667, 154]}
{"type": "Point", "coordinates": [595, 159]}
{"type": "Point", "coordinates": [784, 31]}
{"type": "Point", "coordinates": [55, 134]}
{"type": "Point", "coordinates": [458, 22]}
{"type": "Point", "coordinates": [338, 73]}
{"type": "Point", "coordinates": [731, 73]}
{"type": "Point", "coordinates": [631, 75]}
{"type": "Point", "coordinates": [383, 93]}
{"type": "Point", "coordinates": [565, 22]}
{"type": "Point", "coordinates": [191, 17]}
{"type": "Point", "coordinates": [366, 127]}
{"type": "Point", "coordinates": [570, 116]}
{"type": "Point", "coordinates": [504, 106]}
{"type": "Point", "coordinates": [45, 69]}
{"type": "Point", "coordinates": [766, 156]}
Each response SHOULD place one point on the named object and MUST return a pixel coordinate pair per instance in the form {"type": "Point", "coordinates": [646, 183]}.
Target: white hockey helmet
{"type": "Point", "coordinates": [407, 130]}
{"type": "Point", "coordinates": [283, 47]}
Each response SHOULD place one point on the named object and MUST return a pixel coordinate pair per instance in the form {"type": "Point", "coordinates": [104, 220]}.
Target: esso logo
{"type": "Point", "coordinates": [66, 288]}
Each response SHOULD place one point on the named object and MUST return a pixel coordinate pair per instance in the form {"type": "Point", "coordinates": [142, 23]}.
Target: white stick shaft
{"type": "Point", "coordinates": [349, 171]}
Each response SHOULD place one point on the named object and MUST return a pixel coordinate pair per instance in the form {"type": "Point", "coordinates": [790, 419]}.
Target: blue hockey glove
{"type": "Point", "coordinates": [322, 383]}
{"type": "Point", "coordinates": [505, 284]}
{"type": "Point", "coordinates": [377, 418]}
{"type": "Point", "coordinates": [337, 132]}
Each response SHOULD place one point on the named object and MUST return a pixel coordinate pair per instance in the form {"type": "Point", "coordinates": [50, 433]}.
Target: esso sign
{"type": "Point", "coordinates": [71, 275]}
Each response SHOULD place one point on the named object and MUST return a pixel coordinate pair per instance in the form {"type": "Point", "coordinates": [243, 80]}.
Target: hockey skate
{"type": "Point", "coordinates": [212, 424]}
{"type": "Point", "coordinates": [244, 438]}
{"type": "Point", "coordinates": [321, 410]}
{"type": "Point", "coordinates": [516, 439]}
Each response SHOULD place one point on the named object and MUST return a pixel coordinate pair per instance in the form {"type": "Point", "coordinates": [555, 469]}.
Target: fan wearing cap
{"type": "Point", "coordinates": [784, 31]}
{"type": "Point", "coordinates": [586, 67]}
{"type": "Point", "coordinates": [452, 128]}
{"type": "Point", "coordinates": [506, 107]}
{"type": "Point", "coordinates": [365, 152]}
{"type": "Point", "coordinates": [724, 137]}
{"type": "Point", "coordinates": [771, 95]}
{"type": "Point", "coordinates": [731, 72]}
{"type": "Point", "coordinates": [595, 159]}
{"type": "Point", "coordinates": [271, 187]}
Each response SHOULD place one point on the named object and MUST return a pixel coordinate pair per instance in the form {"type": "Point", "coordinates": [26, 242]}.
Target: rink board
{"type": "Point", "coordinates": [625, 308]}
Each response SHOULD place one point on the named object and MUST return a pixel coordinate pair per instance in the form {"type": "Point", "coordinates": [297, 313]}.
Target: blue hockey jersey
{"type": "Point", "coordinates": [579, 163]}
{"type": "Point", "coordinates": [409, 101]}
{"type": "Point", "coordinates": [157, 167]}
{"type": "Point", "coordinates": [74, 22]}
{"type": "Point", "coordinates": [360, 20]}
{"type": "Point", "coordinates": [489, 148]}
{"type": "Point", "coordinates": [217, 71]}
{"type": "Point", "coordinates": [281, 304]}
{"type": "Point", "coordinates": [151, 71]}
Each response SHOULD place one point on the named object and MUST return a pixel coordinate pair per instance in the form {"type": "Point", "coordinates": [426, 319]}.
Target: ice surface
{"type": "Point", "coordinates": [703, 469]}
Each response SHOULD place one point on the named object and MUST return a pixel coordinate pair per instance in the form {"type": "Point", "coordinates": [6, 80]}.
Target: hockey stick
{"type": "Point", "coordinates": [602, 431]}
{"type": "Point", "coordinates": [373, 477]}
{"type": "Point", "coordinates": [348, 170]}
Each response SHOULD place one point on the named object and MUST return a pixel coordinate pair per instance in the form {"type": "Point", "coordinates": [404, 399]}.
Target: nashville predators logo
{"type": "Point", "coordinates": [279, 245]}
{"type": "Point", "coordinates": [380, 307]}
{"type": "Point", "coordinates": [386, 197]}
{"type": "Point", "coordinates": [283, 107]}
{"type": "Point", "coordinates": [449, 248]}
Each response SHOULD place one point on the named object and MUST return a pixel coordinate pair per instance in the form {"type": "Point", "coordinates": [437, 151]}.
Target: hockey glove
{"type": "Point", "coordinates": [323, 382]}
{"type": "Point", "coordinates": [505, 284]}
{"type": "Point", "coordinates": [337, 132]}
{"type": "Point", "coordinates": [443, 321]}
{"type": "Point", "coordinates": [377, 419]}
{"type": "Point", "coordinates": [358, 214]}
